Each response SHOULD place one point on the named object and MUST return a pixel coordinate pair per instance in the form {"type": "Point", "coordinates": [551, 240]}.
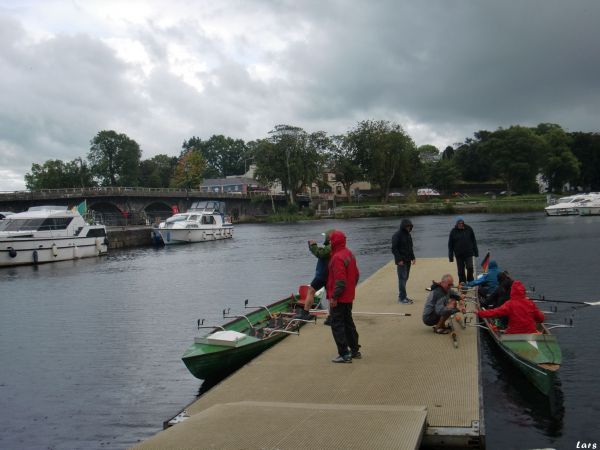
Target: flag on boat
{"type": "Point", "coordinates": [81, 208]}
{"type": "Point", "coordinates": [485, 262]}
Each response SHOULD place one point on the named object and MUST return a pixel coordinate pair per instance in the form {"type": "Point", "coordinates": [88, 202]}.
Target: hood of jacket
{"type": "Point", "coordinates": [338, 240]}
{"type": "Point", "coordinates": [405, 223]}
{"type": "Point", "coordinates": [327, 234]}
{"type": "Point", "coordinates": [517, 291]}
{"type": "Point", "coordinates": [493, 265]}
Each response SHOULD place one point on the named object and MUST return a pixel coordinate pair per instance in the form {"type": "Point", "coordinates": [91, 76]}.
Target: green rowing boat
{"type": "Point", "coordinates": [228, 347]}
{"type": "Point", "coordinates": [537, 356]}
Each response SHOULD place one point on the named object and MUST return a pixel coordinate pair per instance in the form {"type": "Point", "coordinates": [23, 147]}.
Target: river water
{"type": "Point", "coordinates": [90, 350]}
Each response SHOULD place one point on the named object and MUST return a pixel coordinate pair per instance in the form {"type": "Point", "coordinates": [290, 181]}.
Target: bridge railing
{"type": "Point", "coordinates": [123, 191]}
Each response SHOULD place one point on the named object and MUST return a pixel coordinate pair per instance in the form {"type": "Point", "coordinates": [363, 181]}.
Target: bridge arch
{"type": "Point", "coordinates": [159, 210]}
{"type": "Point", "coordinates": [108, 213]}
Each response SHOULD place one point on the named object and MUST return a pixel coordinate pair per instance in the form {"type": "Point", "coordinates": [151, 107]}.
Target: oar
{"type": "Point", "coordinates": [549, 300]}
{"type": "Point", "coordinates": [320, 312]}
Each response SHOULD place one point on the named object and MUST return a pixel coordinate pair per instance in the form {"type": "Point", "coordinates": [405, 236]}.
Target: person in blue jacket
{"type": "Point", "coordinates": [321, 271]}
{"type": "Point", "coordinates": [487, 282]}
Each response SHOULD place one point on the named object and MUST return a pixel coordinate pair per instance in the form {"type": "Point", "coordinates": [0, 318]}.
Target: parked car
{"type": "Point", "coordinates": [427, 192]}
{"type": "Point", "coordinates": [396, 194]}
{"type": "Point", "coordinates": [508, 193]}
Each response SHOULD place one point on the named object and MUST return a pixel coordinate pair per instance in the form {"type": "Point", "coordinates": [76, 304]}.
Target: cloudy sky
{"type": "Point", "coordinates": [163, 71]}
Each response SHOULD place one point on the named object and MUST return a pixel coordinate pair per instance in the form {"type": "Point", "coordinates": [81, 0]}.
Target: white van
{"type": "Point", "coordinates": [427, 192]}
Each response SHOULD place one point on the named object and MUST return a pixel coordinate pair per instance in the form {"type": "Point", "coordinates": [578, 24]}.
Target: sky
{"type": "Point", "coordinates": [164, 71]}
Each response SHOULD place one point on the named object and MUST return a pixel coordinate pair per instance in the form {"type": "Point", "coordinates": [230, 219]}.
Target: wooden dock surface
{"type": "Point", "coordinates": [411, 387]}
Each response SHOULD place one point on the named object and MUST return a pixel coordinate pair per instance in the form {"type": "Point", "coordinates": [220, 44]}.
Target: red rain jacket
{"type": "Point", "coordinates": [343, 271]}
{"type": "Point", "coordinates": [522, 313]}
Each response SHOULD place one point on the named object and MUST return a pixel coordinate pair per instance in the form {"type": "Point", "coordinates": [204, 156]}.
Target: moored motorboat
{"type": "Point", "coordinates": [204, 221]}
{"type": "Point", "coordinates": [568, 206]}
{"type": "Point", "coordinates": [228, 347]}
{"type": "Point", "coordinates": [45, 234]}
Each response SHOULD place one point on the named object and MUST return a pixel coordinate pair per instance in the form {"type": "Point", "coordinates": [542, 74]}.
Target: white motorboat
{"type": "Point", "coordinates": [567, 206]}
{"type": "Point", "coordinates": [45, 234]}
{"type": "Point", "coordinates": [204, 221]}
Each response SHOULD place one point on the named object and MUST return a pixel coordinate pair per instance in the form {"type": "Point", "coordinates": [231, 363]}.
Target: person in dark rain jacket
{"type": "Point", "coordinates": [462, 245]}
{"type": "Point", "coordinates": [402, 248]}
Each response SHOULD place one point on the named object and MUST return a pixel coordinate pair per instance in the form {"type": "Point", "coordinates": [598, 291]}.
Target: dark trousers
{"type": "Point", "coordinates": [343, 328]}
{"type": "Point", "coordinates": [462, 264]}
{"type": "Point", "coordinates": [403, 272]}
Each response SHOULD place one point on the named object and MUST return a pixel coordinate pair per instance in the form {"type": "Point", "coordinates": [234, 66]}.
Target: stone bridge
{"type": "Point", "coordinates": [136, 205]}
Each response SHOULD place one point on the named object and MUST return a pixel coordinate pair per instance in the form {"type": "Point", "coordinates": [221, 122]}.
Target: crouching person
{"type": "Point", "coordinates": [441, 303]}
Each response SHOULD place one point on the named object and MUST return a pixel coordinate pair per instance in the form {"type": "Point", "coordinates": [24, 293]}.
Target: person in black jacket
{"type": "Point", "coordinates": [462, 245]}
{"type": "Point", "coordinates": [402, 248]}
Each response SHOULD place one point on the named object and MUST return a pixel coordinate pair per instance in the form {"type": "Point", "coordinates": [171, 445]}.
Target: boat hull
{"type": "Point", "coordinates": [214, 362]}
{"type": "Point", "coordinates": [536, 356]}
{"type": "Point", "coordinates": [25, 251]}
{"type": "Point", "coordinates": [174, 236]}
{"type": "Point", "coordinates": [220, 364]}
{"type": "Point", "coordinates": [589, 211]}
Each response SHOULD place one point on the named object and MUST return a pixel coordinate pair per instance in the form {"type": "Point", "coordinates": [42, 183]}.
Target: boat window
{"type": "Point", "coordinates": [22, 224]}
{"type": "Point", "coordinates": [55, 223]}
{"type": "Point", "coordinates": [193, 217]}
{"type": "Point", "coordinates": [177, 218]}
{"type": "Point", "coordinates": [96, 232]}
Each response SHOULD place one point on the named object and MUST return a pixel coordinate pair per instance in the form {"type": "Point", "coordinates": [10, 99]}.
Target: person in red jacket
{"type": "Point", "coordinates": [341, 283]}
{"type": "Point", "coordinates": [522, 313]}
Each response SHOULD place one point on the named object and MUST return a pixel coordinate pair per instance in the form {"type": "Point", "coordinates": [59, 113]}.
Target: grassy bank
{"type": "Point", "coordinates": [411, 207]}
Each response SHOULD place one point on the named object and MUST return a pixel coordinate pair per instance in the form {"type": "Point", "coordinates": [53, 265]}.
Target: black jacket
{"type": "Point", "coordinates": [402, 244]}
{"type": "Point", "coordinates": [462, 243]}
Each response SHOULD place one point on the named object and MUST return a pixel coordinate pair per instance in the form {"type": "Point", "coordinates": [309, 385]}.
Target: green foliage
{"type": "Point", "coordinates": [115, 159]}
{"type": "Point", "coordinates": [157, 171]}
{"type": "Point", "coordinates": [473, 158]}
{"type": "Point", "coordinates": [516, 154]}
{"type": "Point", "coordinates": [55, 174]}
{"type": "Point", "coordinates": [343, 161]}
{"type": "Point", "coordinates": [586, 148]}
{"type": "Point", "coordinates": [224, 156]}
{"type": "Point", "coordinates": [444, 175]}
{"type": "Point", "coordinates": [290, 156]}
{"type": "Point", "coordinates": [382, 151]}
{"type": "Point", "coordinates": [559, 164]}
{"type": "Point", "coordinates": [189, 170]}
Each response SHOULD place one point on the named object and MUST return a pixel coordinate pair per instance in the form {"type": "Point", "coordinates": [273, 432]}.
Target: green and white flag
{"type": "Point", "coordinates": [82, 208]}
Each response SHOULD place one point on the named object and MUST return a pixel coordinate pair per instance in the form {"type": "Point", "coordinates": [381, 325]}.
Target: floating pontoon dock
{"type": "Point", "coordinates": [411, 388]}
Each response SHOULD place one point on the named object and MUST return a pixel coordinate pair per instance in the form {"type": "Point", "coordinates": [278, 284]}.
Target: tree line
{"type": "Point", "coordinates": [377, 151]}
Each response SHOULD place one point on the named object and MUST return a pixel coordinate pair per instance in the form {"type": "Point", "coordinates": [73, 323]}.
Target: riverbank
{"type": "Point", "coordinates": [518, 204]}
{"type": "Point", "coordinates": [141, 236]}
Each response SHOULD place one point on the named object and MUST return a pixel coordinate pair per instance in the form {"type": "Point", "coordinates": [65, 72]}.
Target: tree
{"type": "Point", "coordinates": [516, 153]}
{"type": "Point", "coordinates": [444, 175]}
{"type": "Point", "coordinates": [382, 151]}
{"type": "Point", "coordinates": [344, 163]}
{"type": "Point", "coordinates": [115, 159]}
{"type": "Point", "coordinates": [559, 164]}
{"type": "Point", "coordinates": [189, 170]}
{"type": "Point", "coordinates": [157, 171]}
{"type": "Point", "coordinates": [290, 156]}
{"type": "Point", "coordinates": [586, 148]}
{"type": "Point", "coordinates": [55, 174]}
{"type": "Point", "coordinates": [224, 156]}
{"type": "Point", "coordinates": [473, 159]}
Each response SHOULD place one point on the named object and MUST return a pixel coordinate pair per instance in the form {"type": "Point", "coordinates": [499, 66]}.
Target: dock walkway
{"type": "Point", "coordinates": [411, 387]}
